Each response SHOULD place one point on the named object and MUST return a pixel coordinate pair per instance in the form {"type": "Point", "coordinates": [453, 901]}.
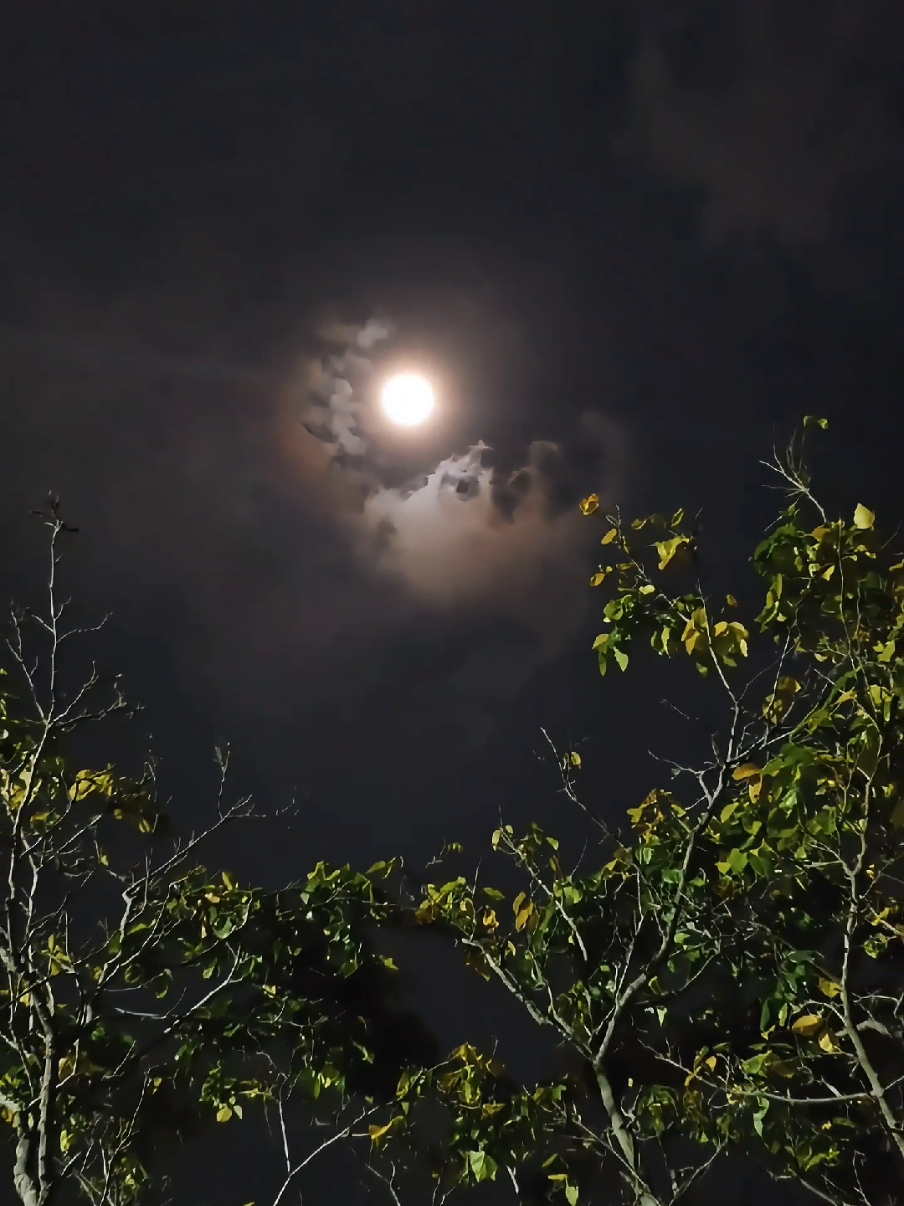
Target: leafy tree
{"type": "Point", "coordinates": [728, 970]}
{"type": "Point", "coordinates": [139, 994]}
{"type": "Point", "coordinates": [720, 973]}
{"type": "Point", "coordinates": [807, 853]}
{"type": "Point", "coordinates": [800, 846]}
{"type": "Point", "coordinates": [597, 956]}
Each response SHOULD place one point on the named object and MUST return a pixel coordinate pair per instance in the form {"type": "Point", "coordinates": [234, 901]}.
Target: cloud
{"type": "Point", "coordinates": [484, 549]}
{"type": "Point", "coordinates": [334, 406]}
{"type": "Point", "coordinates": [770, 107]}
{"type": "Point", "coordinates": [470, 535]}
{"type": "Point", "coordinates": [298, 558]}
{"type": "Point", "coordinates": [480, 528]}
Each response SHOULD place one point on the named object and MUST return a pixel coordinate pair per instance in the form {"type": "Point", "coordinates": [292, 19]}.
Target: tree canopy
{"type": "Point", "coordinates": [141, 994]}
{"type": "Point", "coordinates": [727, 964]}
{"type": "Point", "coordinates": [720, 973]}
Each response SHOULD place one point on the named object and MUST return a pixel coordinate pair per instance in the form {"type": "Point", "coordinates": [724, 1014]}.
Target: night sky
{"type": "Point", "coordinates": [631, 243]}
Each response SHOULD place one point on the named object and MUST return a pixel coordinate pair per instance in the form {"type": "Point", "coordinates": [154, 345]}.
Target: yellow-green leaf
{"type": "Point", "coordinates": [668, 550]}
{"type": "Point", "coordinates": [748, 771]}
{"type": "Point", "coordinates": [787, 685]}
{"type": "Point", "coordinates": [610, 536]}
{"type": "Point", "coordinates": [590, 504]}
{"type": "Point", "coordinates": [864, 518]}
{"type": "Point", "coordinates": [808, 1026]}
{"type": "Point", "coordinates": [828, 1044]}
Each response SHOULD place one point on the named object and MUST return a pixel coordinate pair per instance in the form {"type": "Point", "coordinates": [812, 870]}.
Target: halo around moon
{"type": "Point", "coordinates": [408, 400]}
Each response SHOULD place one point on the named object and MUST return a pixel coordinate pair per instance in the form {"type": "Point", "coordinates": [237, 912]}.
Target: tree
{"type": "Point", "coordinates": [808, 855]}
{"type": "Point", "coordinates": [140, 994]}
{"type": "Point", "coordinates": [801, 851]}
{"type": "Point", "coordinates": [611, 957]}
{"type": "Point", "coordinates": [728, 970]}
{"type": "Point", "coordinates": [721, 973]}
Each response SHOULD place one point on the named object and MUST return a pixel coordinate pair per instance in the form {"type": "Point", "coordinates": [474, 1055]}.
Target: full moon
{"type": "Point", "coordinates": [408, 400]}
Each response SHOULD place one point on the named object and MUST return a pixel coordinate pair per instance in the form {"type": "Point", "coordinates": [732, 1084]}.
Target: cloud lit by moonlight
{"type": "Point", "coordinates": [408, 400]}
{"type": "Point", "coordinates": [484, 527]}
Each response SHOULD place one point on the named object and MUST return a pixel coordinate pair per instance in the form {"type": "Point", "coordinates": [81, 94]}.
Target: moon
{"type": "Point", "coordinates": [408, 400]}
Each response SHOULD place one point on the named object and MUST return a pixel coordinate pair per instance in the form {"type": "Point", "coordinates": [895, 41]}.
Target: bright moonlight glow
{"type": "Point", "coordinates": [408, 399]}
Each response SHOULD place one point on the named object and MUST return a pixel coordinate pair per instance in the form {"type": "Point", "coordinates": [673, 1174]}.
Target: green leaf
{"type": "Point", "coordinates": [482, 1166]}
{"type": "Point", "coordinates": [601, 647]}
{"type": "Point", "coordinates": [887, 652]}
{"type": "Point", "coordinates": [811, 421]}
{"type": "Point", "coordinates": [737, 860]}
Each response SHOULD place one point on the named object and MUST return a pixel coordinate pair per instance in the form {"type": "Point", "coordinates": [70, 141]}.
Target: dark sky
{"type": "Point", "coordinates": [629, 242]}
